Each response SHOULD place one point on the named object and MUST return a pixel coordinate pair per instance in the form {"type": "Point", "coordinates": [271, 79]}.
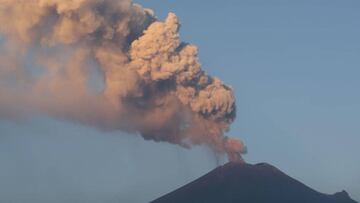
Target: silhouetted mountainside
{"type": "Point", "coordinates": [246, 183]}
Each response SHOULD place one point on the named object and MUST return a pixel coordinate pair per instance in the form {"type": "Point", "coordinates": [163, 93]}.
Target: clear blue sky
{"type": "Point", "coordinates": [295, 67]}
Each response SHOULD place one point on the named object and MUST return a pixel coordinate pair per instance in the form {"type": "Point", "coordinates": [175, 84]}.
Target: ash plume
{"type": "Point", "coordinates": [53, 53]}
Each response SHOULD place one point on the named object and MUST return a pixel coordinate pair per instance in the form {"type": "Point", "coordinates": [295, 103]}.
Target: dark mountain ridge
{"type": "Point", "coordinates": [245, 183]}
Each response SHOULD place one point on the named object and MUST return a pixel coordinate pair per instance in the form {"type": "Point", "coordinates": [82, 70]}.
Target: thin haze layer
{"type": "Point", "coordinates": [152, 84]}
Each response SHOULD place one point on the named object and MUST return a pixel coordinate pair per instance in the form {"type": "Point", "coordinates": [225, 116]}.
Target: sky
{"type": "Point", "coordinates": [294, 68]}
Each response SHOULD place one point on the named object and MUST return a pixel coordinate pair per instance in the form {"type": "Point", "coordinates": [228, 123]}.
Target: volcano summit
{"type": "Point", "coordinates": [237, 182]}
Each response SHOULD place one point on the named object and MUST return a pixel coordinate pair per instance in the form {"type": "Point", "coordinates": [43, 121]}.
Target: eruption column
{"type": "Point", "coordinates": [152, 83]}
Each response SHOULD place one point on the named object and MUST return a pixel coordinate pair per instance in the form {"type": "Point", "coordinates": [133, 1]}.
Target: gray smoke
{"type": "Point", "coordinates": [55, 52]}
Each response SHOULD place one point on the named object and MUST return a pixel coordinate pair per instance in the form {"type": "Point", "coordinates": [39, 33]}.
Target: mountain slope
{"type": "Point", "coordinates": [245, 183]}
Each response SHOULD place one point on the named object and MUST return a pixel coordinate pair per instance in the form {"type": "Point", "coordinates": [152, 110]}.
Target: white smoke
{"type": "Point", "coordinates": [152, 83]}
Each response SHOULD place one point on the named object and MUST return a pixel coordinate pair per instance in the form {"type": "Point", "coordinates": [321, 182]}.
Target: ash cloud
{"type": "Point", "coordinates": [152, 83]}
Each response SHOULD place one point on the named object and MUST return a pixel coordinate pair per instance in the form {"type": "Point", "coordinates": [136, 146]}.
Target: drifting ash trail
{"type": "Point", "coordinates": [151, 82]}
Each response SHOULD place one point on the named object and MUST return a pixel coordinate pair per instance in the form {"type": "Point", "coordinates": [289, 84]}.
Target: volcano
{"type": "Point", "coordinates": [237, 182]}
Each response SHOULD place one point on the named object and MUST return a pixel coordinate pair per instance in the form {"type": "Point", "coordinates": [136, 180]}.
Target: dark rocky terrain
{"type": "Point", "coordinates": [245, 183]}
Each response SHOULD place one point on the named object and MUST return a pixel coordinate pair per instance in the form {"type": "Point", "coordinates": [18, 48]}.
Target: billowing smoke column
{"type": "Point", "coordinates": [54, 53]}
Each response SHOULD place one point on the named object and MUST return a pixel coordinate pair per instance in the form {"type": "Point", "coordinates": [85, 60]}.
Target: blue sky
{"type": "Point", "coordinates": [294, 66]}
